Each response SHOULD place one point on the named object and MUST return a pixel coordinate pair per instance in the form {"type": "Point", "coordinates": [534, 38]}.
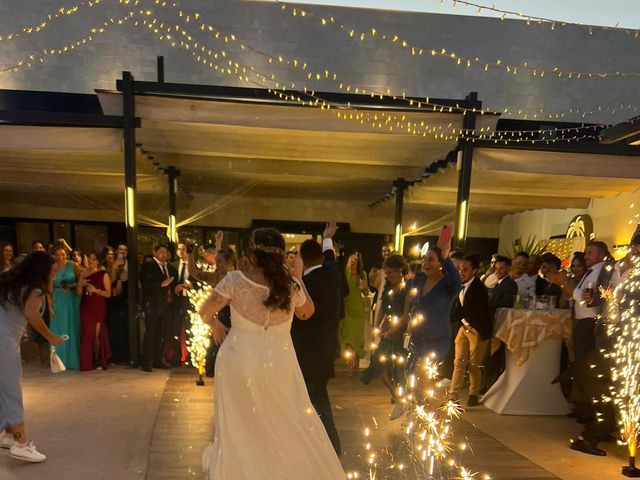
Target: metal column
{"type": "Point", "coordinates": [172, 175]}
{"type": "Point", "coordinates": [129, 136]}
{"type": "Point", "coordinates": [400, 186]}
{"type": "Point", "coordinates": [160, 68]}
{"type": "Point", "coordinates": [465, 163]}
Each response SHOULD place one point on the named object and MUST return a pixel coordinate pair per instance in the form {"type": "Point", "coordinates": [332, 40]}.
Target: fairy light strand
{"type": "Point", "coordinates": [281, 87]}
{"type": "Point", "coordinates": [624, 357]}
{"type": "Point", "coordinates": [395, 40]}
{"type": "Point", "coordinates": [199, 333]}
{"type": "Point", "coordinates": [429, 448]}
{"type": "Point", "coordinates": [75, 9]}
{"type": "Point", "coordinates": [199, 51]}
{"type": "Point", "coordinates": [539, 20]}
{"type": "Point", "coordinates": [51, 18]}
{"type": "Point", "coordinates": [34, 58]}
{"type": "Point", "coordinates": [219, 35]}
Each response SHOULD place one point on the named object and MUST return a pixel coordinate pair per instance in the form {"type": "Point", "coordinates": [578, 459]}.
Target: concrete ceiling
{"type": "Point", "coordinates": [506, 181]}
{"type": "Point", "coordinates": [283, 162]}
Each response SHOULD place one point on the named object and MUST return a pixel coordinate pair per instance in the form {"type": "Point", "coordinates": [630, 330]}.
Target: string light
{"type": "Point", "coordinates": [374, 33]}
{"type": "Point", "coordinates": [51, 18]}
{"type": "Point", "coordinates": [295, 64]}
{"type": "Point", "coordinates": [199, 334]}
{"type": "Point", "coordinates": [34, 59]}
{"type": "Point", "coordinates": [378, 120]}
{"type": "Point", "coordinates": [577, 111]}
{"type": "Point", "coordinates": [428, 447]}
{"type": "Point", "coordinates": [540, 20]}
{"type": "Point", "coordinates": [624, 357]}
{"type": "Point", "coordinates": [385, 119]}
{"type": "Point", "coordinates": [70, 47]}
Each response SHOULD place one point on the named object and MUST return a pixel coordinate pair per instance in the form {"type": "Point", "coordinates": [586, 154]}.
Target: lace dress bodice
{"type": "Point", "coordinates": [247, 301]}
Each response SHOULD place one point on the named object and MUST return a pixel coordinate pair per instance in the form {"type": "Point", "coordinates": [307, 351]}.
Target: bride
{"type": "Point", "coordinates": [266, 427]}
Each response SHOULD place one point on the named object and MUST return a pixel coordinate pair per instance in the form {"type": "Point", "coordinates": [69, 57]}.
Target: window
{"type": "Point", "coordinates": [90, 237]}
{"type": "Point", "coordinates": [29, 232]}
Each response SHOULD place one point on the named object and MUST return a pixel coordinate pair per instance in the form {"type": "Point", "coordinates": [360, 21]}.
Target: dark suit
{"type": "Point", "coordinates": [471, 337]}
{"type": "Point", "coordinates": [157, 310]}
{"type": "Point", "coordinates": [501, 296]}
{"type": "Point", "coordinates": [181, 320]}
{"type": "Point", "coordinates": [315, 339]}
{"type": "Point", "coordinates": [475, 310]}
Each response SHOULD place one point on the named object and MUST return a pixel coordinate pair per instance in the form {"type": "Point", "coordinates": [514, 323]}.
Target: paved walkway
{"type": "Point", "coordinates": [91, 425]}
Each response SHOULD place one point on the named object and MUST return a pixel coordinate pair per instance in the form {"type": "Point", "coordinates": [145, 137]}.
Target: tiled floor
{"type": "Point", "coordinates": [185, 426]}
{"type": "Point", "coordinates": [127, 425]}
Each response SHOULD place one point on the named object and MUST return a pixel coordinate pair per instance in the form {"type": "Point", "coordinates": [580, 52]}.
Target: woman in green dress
{"type": "Point", "coordinates": [65, 316]}
{"type": "Point", "coordinates": [352, 325]}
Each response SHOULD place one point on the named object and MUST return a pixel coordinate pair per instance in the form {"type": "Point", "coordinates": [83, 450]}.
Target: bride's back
{"type": "Point", "coordinates": [247, 300]}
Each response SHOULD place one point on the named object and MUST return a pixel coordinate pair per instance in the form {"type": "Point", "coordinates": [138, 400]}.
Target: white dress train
{"type": "Point", "coordinates": [265, 425]}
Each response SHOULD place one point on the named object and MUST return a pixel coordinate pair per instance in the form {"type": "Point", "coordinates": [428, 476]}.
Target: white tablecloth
{"type": "Point", "coordinates": [525, 387]}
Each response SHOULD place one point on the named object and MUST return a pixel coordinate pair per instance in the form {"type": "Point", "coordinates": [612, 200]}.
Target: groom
{"type": "Point", "coordinates": [316, 339]}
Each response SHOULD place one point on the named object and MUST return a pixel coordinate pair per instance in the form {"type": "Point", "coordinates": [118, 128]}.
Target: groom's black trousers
{"type": "Point", "coordinates": [317, 388]}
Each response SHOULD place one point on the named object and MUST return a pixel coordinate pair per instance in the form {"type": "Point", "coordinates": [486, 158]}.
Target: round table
{"type": "Point", "coordinates": [533, 340]}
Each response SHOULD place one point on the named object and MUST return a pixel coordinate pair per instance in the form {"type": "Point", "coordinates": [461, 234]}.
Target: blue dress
{"type": "Point", "coordinates": [433, 333]}
{"type": "Point", "coordinates": [66, 321]}
{"type": "Point", "coordinates": [392, 305]}
{"type": "Point", "coordinates": [12, 327]}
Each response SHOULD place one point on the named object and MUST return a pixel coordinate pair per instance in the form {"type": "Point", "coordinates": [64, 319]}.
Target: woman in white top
{"type": "Point", "coordinates": [266, 427]}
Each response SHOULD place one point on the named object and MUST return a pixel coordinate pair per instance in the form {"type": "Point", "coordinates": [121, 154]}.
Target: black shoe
{"type": "Point", "coordinates": [147, 369]}
{"type": "Point", "coordinates": [472, 401]}
{"type": "Point", "coordinates": [586, 447]}
{"type": "Point", "coordinates": [584, 419]}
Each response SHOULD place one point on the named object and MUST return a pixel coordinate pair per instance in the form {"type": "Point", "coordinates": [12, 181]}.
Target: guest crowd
{"type": "Point", "coordinates": [449, 309]}
{"type": "Point", "coordinates": [396, 314]}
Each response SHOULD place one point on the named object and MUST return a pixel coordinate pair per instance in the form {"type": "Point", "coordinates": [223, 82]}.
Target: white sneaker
{"type": "Point", "coordinates": [28, 453]}
{"type": "Point", "coordinates": [397, 412]}
{"type": "Point", "coordinates": [6, 439]}
{"type": "Point", "coordinates": [6, 442]}
{"type": "Point", "coordinates": [445, 382]}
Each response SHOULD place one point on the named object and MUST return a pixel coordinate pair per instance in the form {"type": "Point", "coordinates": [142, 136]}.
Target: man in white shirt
{"type": "Point", "coordinates": [591, 369]}
{"type": "Point", "coordinates": [526, 284]}
{"type": "Point", "coordinates": [589, 305]}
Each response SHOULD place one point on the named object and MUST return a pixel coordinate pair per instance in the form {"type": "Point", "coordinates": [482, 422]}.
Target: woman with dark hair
{"type": "Point", "coordinates": [79, 259]}
{"type": "Point", "coordinates": [22, 297]}
{"type": "Point", "coordinates": [8, 256]}
{"type": "Point", "coordinates": [568, 283]}
{"type": "Point", "coordinates": [352, 325]}
{"type": "Point", "coordinates": [266, 426]}
{"type": "Point", "coordinates": [94, 288]}
{"type": "Point", "coordinates": [387, 360]}
{"type": "Point", "coordinates": [434, 288]}
{"type": "Point", "coordinates": [109, 259]}
{"type": "Point", "coordinates": [65, 314]}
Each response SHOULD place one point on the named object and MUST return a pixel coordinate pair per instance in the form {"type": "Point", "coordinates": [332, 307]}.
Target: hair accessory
{"type": "Point", "coordinates": [263, 248]}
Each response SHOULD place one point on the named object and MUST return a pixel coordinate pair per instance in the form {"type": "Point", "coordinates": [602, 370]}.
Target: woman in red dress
{"type": "Point", "coordinates": [95, 288]}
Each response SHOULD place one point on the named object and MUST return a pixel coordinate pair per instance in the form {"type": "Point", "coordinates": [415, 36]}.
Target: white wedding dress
{"type": "Point", "coordinates": [265, 425]}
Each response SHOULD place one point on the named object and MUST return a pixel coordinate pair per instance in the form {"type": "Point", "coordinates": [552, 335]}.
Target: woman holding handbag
{"type": "Point", "coordinates": [22, 297]}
